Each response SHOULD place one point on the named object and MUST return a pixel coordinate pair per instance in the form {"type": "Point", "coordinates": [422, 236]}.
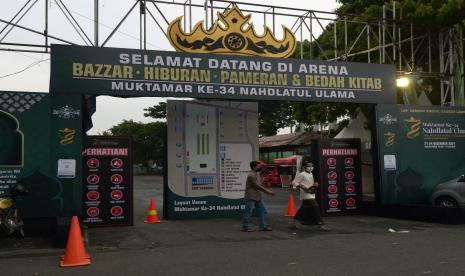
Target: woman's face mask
{"type": "Point", "coordinates": [309, 169]}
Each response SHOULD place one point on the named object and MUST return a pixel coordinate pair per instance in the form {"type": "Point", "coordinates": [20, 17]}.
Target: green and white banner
{"type": "Point", "coordinates": [25, 152]}
{"type": "Point", "coordinates": [419, 148]}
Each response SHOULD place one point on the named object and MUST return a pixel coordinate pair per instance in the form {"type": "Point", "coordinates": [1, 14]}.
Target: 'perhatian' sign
{"type": "Point", "coordinates": [125, 72]}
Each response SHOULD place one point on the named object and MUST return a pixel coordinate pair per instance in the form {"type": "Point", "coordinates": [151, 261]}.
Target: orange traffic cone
{"type": "Point", "coordinates": [290, 207]}
{"type": "Point", "coordinates": [75, 253]}
{"type": "Point", "coordinates": [152, 215]}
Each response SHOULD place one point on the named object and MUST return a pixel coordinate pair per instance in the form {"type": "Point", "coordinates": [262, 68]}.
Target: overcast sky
{"type": "Point", "coordinates": [110, 110]}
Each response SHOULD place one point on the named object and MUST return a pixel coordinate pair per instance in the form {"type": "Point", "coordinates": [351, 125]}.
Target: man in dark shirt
{"type": "Point", "coordinates": [253, 197]}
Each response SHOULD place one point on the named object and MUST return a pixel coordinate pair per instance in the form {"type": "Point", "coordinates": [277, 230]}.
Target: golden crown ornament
{"type": "Point", "coordinates": [231, 34]}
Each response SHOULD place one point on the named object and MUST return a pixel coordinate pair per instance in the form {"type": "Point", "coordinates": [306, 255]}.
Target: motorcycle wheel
{"type": "Point", "coordinates": [20, 232]}
{"type": "Point", "coordinates": [8, 230]}
{"type": "Point", "coordinates": [12, 223]}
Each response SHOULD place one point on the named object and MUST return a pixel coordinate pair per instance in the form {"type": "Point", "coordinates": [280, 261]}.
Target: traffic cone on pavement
{"type": "Point", "coordinates": [75, 253]}
{"type": "Point", "coordinates": [290, 207]}
{"type": "Point", "coordinates": [152, 215]}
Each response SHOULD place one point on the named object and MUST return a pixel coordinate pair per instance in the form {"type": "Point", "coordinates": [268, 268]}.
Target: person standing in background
{"type": "Point", "coordinates": [253, 197]}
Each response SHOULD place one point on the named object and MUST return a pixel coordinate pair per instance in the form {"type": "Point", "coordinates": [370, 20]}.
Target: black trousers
{"type": "Point", "coordinates": [309, 213]}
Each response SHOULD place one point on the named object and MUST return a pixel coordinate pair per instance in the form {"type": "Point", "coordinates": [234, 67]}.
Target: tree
{"type": "Point", "coordinates": [273, 115]}
{"type": "Point", "coordinates": [427, 16]}
{"type": "Point", "coordinates": [148, 139]}
{"type": "Point", "coordinates": [157, 111]}
{"type": "Point", "coordinates": [307, 114]}
{"type": "Point", "coordinates": [432, 15]}
{"type": "Point", "coordinates": [322, 114]}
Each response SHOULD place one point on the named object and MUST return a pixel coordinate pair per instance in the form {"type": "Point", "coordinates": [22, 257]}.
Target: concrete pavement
{"type": "Point", "coordinates": [356, 245]}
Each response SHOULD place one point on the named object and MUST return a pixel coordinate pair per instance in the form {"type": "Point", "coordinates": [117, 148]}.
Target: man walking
{"type": "Point", "coordinates": [253, 197]}
{"type": "Point", "coordinates": [309, 211]}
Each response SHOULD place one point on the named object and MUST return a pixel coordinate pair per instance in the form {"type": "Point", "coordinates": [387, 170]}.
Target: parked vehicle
{"type": "Point", "coordinates": [10, 221]}
{"type": "Point", "coordinates": [450, 194]}
{"type": "Point", "coordinates": [270, 175]}
{"type": "Point", "coordinates": [280, 173]}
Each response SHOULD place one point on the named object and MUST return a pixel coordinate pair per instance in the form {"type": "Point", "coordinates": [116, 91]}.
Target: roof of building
{"type": "Point", "coordinates": [289, 139]}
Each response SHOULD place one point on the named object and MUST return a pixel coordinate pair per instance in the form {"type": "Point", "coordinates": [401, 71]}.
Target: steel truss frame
{"type": "Point", "coordinates": [389, 39]}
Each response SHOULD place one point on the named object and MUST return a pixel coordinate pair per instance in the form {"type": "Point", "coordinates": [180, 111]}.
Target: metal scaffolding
{"type": "Point", "coordinates": [438, 57]}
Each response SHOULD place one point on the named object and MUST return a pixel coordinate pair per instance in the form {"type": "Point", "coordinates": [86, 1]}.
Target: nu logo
{"type": "Point", "coordinates": [414, 127]}
{"type": "Point", "coordinates": [389, 136]}
{"type": "Point", "coordinates": [67, 136]}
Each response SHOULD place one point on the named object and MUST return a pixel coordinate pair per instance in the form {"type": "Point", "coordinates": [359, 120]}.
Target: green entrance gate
{"type": "Point", "coordinates": [79, 73]}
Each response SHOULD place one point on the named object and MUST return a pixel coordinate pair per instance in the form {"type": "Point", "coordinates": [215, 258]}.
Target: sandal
{"type": "Point", "coordinates": [322, 227]}
{"type": "Point", "coordinates": [247, 230]}
{"type": "Point", "coordinates": [266, 229]}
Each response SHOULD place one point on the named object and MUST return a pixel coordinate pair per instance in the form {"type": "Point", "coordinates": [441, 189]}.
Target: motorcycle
{"type": "Point", "coordinates": [10, 221]}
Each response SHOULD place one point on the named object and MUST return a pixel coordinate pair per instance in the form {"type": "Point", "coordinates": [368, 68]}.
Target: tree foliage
{"type": "Point", "coordinates": [157, 111]}
{"type": "Point", "coordinates": [321, 113]}
{"type": "Point", "coordinates": [306, 114]}
{"type": "Point", "coordinates": [430, 14]}
{"type": "Point", "coordinates": [274, 115]}
{"type": "Point", "coordinates": [148, 139]}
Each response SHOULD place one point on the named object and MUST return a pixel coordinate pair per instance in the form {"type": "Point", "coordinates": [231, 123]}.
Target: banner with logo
{"type": "Point", "coordinates": [25, 153]}
{"type": "Point", "coordinates": [421, 153]}
{"type": "Point", "coordinates": [210, 146]}
{"type": "Point", "coordinates": [128, 72]}
{"type": "Point", "coordinates": [340, 175]}
{"type": "Point", "coordinates": [107, 181]}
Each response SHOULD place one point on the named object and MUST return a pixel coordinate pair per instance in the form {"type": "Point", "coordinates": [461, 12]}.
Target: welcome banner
{"type": "Point", "coordinates": [126, 72]}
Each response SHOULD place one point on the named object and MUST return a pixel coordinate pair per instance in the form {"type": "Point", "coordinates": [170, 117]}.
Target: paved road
{"type": "Point", "coordinates": [357, 245]}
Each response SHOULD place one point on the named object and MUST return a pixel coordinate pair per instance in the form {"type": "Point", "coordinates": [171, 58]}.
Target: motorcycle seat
{"type": "Point", "coordinates": [5, 203]}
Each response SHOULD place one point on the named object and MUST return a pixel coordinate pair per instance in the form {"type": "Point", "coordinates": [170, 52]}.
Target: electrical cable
{"type": "Point", "coordinates": [24, 69]}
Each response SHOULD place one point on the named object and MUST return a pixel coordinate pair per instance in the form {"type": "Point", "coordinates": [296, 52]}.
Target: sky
{"type": "Point", "coordinates": [21, 71]}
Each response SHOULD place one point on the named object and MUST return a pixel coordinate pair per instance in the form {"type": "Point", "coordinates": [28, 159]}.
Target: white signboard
{"type": "Point", "coordinates": [66, 168]}
{"type": "Point", "coordinates": [235, 159]}
{"type": "Point", "coordinates": [210, 146]}
{"type": "Point", "coordinates": [390, 163]}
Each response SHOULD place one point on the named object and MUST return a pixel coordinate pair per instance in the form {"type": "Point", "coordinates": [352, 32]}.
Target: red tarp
{"type": "Point", "coordinates": [291, 160]}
